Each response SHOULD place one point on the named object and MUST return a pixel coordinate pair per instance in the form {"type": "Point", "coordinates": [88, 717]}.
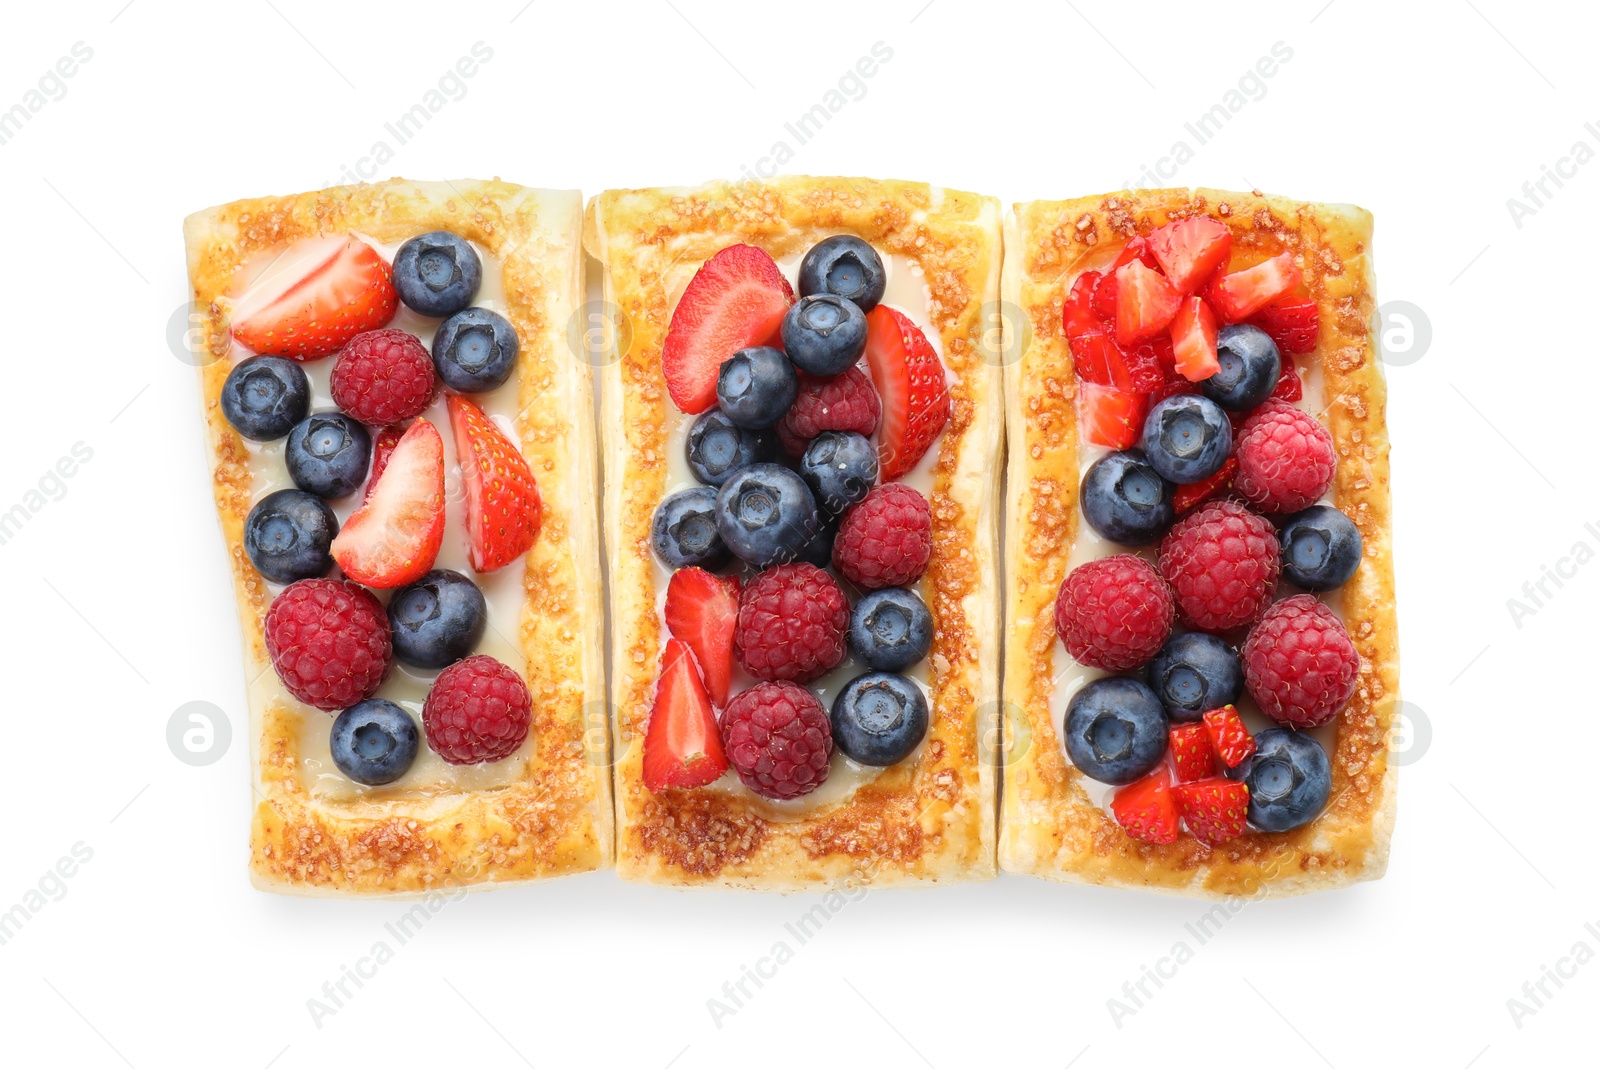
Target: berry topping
{"type": "Point", "coordinates": [1115, 730]}
{"type": "Point", "coordinates": [287, 536]}
{"type": "Point", "coordinates": [1191, 752]}
{"type": "Point", "coordinates": [737, 299]}
{"type": "Point", "coordinates": [840, 467]}
{"type": "Point", "coordinates": [910, 382]}
{"type": "Point", "coordinates": [329, 642]}
{"type": "Point", "coordinates": [1299, 663]}
{"type": "Point", "coordinates": [382, 377]}
{"type": "Point", "coordinates": [1286, 459]}
{"type": "Point", "coordinates": [1194, 672]}
{"type": "Point", "coordinates": [1221, 561]}
{"type": "Point", "coordinates": [475, 350]}
{"type": "Point", "coordinates": [683, 531]}
{"type": "Point", "coordinates": [1194, 340]}
{"type": "Point", "coordinates": [1248, 368]}
{"type": "Point", "coordinates": [437, 620]}
{"type": "Point", "coordinates": [1096, 356]}
{"type": "Point", "coordinates": [374, 742]}
{"type": "Point", "coordinates": [1190, 250]}
{"type": "Point", "coordinates": [1289, 387]}
{"type": "Point", "coordinates": [1214, 809]}
{"type": "Point", "coordinates": [1125, 500]}
{"type": "Point", "coordinates": [327, 454]}
{"type": "Point", "coordinates": [702, 610]}
{"type": "Point", "coordinates": [824, 334]}
{"type": "Point", "coordinates": [503, 508]}
{"type": "Point", "coordinates": [682, 745]}
{"type": "Point", "coordinates": [1187, 438]}
{"type": "Point", "coordinates": [847, 267]}
{"type": "Point", "coordinates": [778, 740]}
{"type": "Point", "coordinates": [1113, 613]}
{"type": "Point", "coordinates": [382, 449]}
{"type": "Point", "coordinates": [717, 447]}
{"type": "Point", "coordinates": [437, 274]}
{"type": "Point", "coordinates": [394, 537]}
{"type": "Point", "coordinates": [1109, 416]}
{"type": "Point", "coordinates": [1240, 295]}
{"type": "Point", "coordinates": [265, 396]}
{"type": "Point", "coordinates": [1289, 779]}
{"type": "Point", "coordinates": [344, 288]}
{"type": "Point", "coordinates": [1230, 740]}
{"type": "Point", "coordinates": [879, 719]}
{"type": "Point", "coordinates": [792, 624]}
{"type": "Point", "coordinates": [891, 630]}
{"type": "Point", "coordinates": [477, 710]}
{"type": "Point", "coordinates": [1320, 547]}
{"type": "Point", "coordinates": [1147, 809]}
{"type": "Point", "coordinates": [1146, 303]}
{"type": "Point", "coordinates": [1185, 498]}
{"type": "Point", "coordinates": [756, 386]}
{"type": "Point", "coordinates": [766, 515]}
{"type": "Point", "coordinates": [847, 402]}
{"type": "Point", "coordinates": [1291, 323]}
{"type": "Point", "coordinates": [886, 540]}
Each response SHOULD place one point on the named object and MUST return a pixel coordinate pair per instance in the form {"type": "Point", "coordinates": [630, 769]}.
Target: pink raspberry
{"type": "Point", "coordinates": [792, 623]}
{"type": "Point", "coordinates": [886, 540]}
{"type": "Point", "coordinates": [1286, 458]}
{"type": "Point", "coordinates": [1221, 561]}
{"type": "Point", "coordinates": [1113, 613]}
{"type": "Point", "coordinates": [329, 641]}
{"type": "Point", "coordinates": [846, 402]}
{"type": "Point", "coordinates": [778, 739]}
{"type": "Point", "coordinates": [383, 377]}
{"type": "Point", "coordinates": [477, 710]}
{"type": "Point", "coordinates": [1299, 663]}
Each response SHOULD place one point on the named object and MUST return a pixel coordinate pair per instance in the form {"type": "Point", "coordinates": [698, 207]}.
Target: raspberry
{"type": "Point", "coordinates": [382, 377]}
{"type": "Point", "coordinates": [1285, 458]}
{"type": "Point", "coordinates": [478, 710]}
{"type": "Point", "coordinates": [1299, 663]}
{"type": "Point", "coordinates": [845, 402]}
{"type": "Point", "coordinates": [792, 623]}
{"type": "Point", "coordinates": [329, 642]}
{"type": "Point", "coordinates": [1113, 613]}
{"type": "Point", "coordinates": [778, 740]}
{"type": "Point", "coordinates": [1222, 563]}
{"type": "Point", "coordinates": [885, 540]}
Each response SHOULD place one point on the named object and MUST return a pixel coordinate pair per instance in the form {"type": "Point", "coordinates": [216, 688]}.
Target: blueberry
{"type": "Point", "coordinates": [1289, 779]}
{"type": "Point", "coordinates": [1249, 368]}
{"type": "Point", "coordinates": [818, 549]}
{"type": "Point", "coordinates": [1187, 438]}
{"type": "Point", "coordinates": [1195, 673]}
{"type": "Point", "coordinates": [265, 396]}
{"type": "Point", "coordinates": [891, 629]}
{"type": "Point", "coordinates": [756, 386]}
{"type": "Point", "coordinates": [1321, 548]}
{"type": "Point", "coordinates": [824, 334]}
{"type": "Point", "coordinates": [879, 718]}
{"type": "Point", "coordinates": [287, 536]}
{"type": "Point", "coordinates": [1125, 499]}
{"type": "Point", "coordinates": [840, 467]}
{"type": "Point", "coordinates": [766, 515]}
{"type": "Point", "coordinates": [475, 351]}
{"type": "Point", "coordinates": [1115, 730]}
{"type": "Point", "coordinates": [437, 273]}
{"type": "Point", "coordinates": [437, 620]}
{"type": "Point", "coordinates": [374, 742]}
{"type": "Point", "coordinates": [327, 454]}
{"type": "Point", "coordinates": [684, 530]}
{"type": "Point", "coordinates": [844, 266]}
{"type": "Point", "coordinates": [717, 447]}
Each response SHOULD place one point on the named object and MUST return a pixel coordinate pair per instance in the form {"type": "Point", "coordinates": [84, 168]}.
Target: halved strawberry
{"type": "Point", "coordinates": [737, 299]}
{"type": "Point", "coordinates": [910, 382]}
{"type": "Point", "coordinates": [1146, 808]}
{"type": "Point", "coordinates": [344, 291]}
{"type": "Point", "coordinates": [1191, 752]}
{"type": "Point", "coordinates": [1146, 303]}
{"type": "Point", "coordinates": [682, 744]}
{"type": "Point", "coordinates": [1190, 250]}
{"type": "Point", "coordinates": [1105, 293]}
{"type": "Point", "coordinates": [1238, 296]}
{"type": "Point", "coordinates": [503, 507]}
{"type": "Point", "coordinates": [1189, 495]}
{"type": "Point", "coordinates": [394, 537]}
{"type": "Point", "coordinates": [701, 610]}
{"type": "Point", "coordinates": [1214, 809]}
{"type": "Point", "coordinates": [1292, 323]}
{"type": "Point", "coordinates": [1194, 340]}
{"type": "Point", "coordinates": [1109, 416]}
{"type": "Point", "coordinates": [382, 449]}
{"type": "Point", "coordinates": [1230, 739]}
{"type": "Point", "coordinates": [1289, 387]}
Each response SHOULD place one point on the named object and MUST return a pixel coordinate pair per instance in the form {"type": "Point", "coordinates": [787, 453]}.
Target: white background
{"type": "Point", "coordinates": [117, 608]}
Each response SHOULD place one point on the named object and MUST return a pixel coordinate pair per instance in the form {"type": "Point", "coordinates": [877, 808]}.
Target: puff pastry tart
{"type": "Point", "coordinates": [1201, 677]}
{"type": "Point", "coordinates": [802, 444]}
{"type": "Point", "coordinates": [403, 463]}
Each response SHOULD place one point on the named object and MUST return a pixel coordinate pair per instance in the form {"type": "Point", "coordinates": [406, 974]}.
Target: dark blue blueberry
{"type": "Point", "coordinates": [818, 549]}
{"type": "Point", "coordinates": [327, 454]}
{"type": "Point", "coordinates": [475, 351]}
{"type": "Point", "coordinates": [374, 742]}
{"type": "Point", "coordinates": [684, 530]}
{"type": "Point", "coordinates": [840, 467]}
{"type": "Point", "coordinates": [1125, 499]}
{"type": "Point", "coordinates": [756, 386]}
{"type": "Point", "coordinates": [891, 629]}
{"type": "Point", "coordinates": [437, 620]}
{"type": "Point", "coordinates": [437, 273]}
{"type": "Point", "coordinates": [1289, 779]}
{"type": "Point", "coordinates": [265, 396]}
{"type": "Point", "coordinates": [1187, 438]}
{"type": "Point", "coordinates": [766, 515]}
{"type": "Point", "coordinates": [879, 718]}
{"type": "Point", "coordinates": [287, 536]}
{"type": "Point", "coordinates": [717, 447]}
{"type": "Point", "coordinates": [844, 266]}
{"type": "Point", "coordinates": [1115, 730]}
{"type": "Point", "coordinates": [824, 334]}
{"type": "Point", "coordinates": [1321, 548]}
{"type": "Point", "coordinates": [1195, 673]}
{"type": "Point", "coordinates": [1249, 368]}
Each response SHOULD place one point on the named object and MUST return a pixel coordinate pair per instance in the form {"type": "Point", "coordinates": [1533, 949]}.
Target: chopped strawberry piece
{"type": "Point", "coordinates": [1136, 249]}
{"type": "Point", "coordinates": [1146, 303]}
{"type": "Point", "coordinates": [701, 610]}
{"type": "Point", "coordinates": [394, 537]}
{"type": "Point", "coordinates": [382, 449]}
{"type": "Point", "coordinates": [1191, 752]}
{"type": "Point", "coordinates": [1077, 313]}
{"type": "Point", "coordinates": [1098, 358]}
{"type": "Point", "coordinates": [1289, 386]}
{"type": "Point", "coordinates": [910, 382]}
{"type": "Point", "coordinates": [1194, 340]}
{"type": "Point", "coordinates": [1146, 808]}
{"type": "Point", "coordinates": [1191, 250]}
{"type": "Point", "coordinates": [1214, 809]}
{"type": "Point", "coordinates": [1109, 416]}
{"type": "Point", "coordinates": [348, 289]}
{"type": "Point", "coordinates": [1230, 739]}
{"type": "Point", "coordinates": [737, 299]}
{"type": "Point", "coordinates": [1292, 323]}
{"type": "Point", "coordinates": [503, 506]}
{"type": "Point", "coordinates": [682, 744]}
{"type": "Point", "coordinates": [1105, 299]}
{"type": "Point", "coordinates": [1238, 296]}
{"type": "Point", "coordinates": [1189, 495]}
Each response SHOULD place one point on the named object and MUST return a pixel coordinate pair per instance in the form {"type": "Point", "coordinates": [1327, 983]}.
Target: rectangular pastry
{"type": "Point", "coordinates": [768, 462]}
{"type": "Point", "coordinates": [421, 611]}
{"type": "Point", "coordinates": [1201, 676]}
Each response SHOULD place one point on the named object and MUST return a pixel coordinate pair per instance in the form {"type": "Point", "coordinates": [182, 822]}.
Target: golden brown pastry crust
{"type": "Point", "coordinates": [557, 820]}
{"type": "Point", "coordinates": [1049, 827]}
{"type": "Point", "coordinates": [929, 819]}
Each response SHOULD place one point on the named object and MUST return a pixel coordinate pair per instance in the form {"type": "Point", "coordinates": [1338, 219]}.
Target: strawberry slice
{"type": "Point", "coordinates": [1230, 739]}
{"type": "Point", "coordinates": [1191, 752]}
{"type": "Point", "coordinates": [682, 745]}
{"type": "Point", "coordinates": [1240, 295]}
{"type": "Point", "coordinates": [1109, 416]}
{"type": "Point", "coordinates": [1191, 250]}
{"type": "Point", "coordinates": [1095, 356]}
{"type": "Point", "coordinates": [1194, 340]}
{"type": "Point", "coordinates": [503, 507]}
{"type": "Point", "coordinates": [737, 299]}
{"type": "Point", "coordinates": [1146, 808]}
{"type": "Point", "coordinates": [1187, 496]}
{"type": "Point", "coordinates": [394, 537]}
{"type": "Point", "coordinates": [1214, 809]}
{"type": "Point", "coordinates": [1105, 294]}
{"type": "Point", "coordinates": [1289, 387]}
{"type": "Point", "coordinates": [1291, 323]}
{"type": "Point", "coordinates": [1078, 315]}
{"type": "Point", "coordinates": [910, 382]}
{"type": "Point", "coordinates": [382, 449]}
{"type": "Point", "coordinates": [1146, 303]}
{"type": "Point", "coordinates": [701, 610]}
{"type": "Point", "coordinates": [343, 293]}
